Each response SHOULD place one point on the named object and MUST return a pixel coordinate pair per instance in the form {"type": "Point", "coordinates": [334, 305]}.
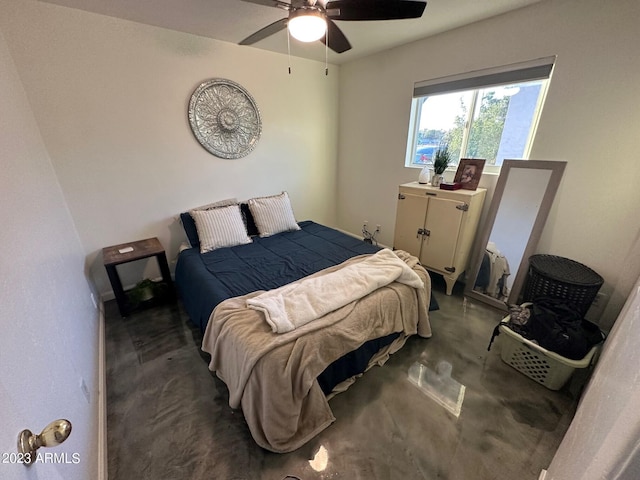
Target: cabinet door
{"type": "Point", "coordinates": [443, 222]}
{"type": "Point", "coordinates": [409, 218]}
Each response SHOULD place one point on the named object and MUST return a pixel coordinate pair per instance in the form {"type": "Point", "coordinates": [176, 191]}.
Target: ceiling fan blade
{"type": "Point", "coordinates": [358, 10]}
{"type": "Point", "coordinates": [337, 40]}
{"type": "Point", "coordinates": [271, 3]}
{"type": "Point", "coordinates": [265, 32]}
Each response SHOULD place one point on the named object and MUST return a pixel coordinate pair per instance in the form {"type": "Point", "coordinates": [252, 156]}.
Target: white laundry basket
{"type": "Point", "coordinates": [545, 367]}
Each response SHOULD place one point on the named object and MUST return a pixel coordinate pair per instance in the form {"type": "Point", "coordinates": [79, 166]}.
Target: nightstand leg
{"type": "Point", "coordinates": [118, 291]}
{"type": "Point", "coordinates": [166, 273]}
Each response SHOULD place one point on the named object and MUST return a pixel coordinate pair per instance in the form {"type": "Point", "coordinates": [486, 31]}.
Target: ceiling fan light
{"type": "Point", "coordinates": [307, 26]}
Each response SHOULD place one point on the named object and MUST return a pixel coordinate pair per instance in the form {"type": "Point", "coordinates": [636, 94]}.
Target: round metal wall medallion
{"type": "Point", "coordinates": [224, 118]}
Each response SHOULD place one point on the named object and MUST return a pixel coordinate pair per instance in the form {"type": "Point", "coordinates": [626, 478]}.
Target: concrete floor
{"type": "Point", "coordinates": [169, 418]}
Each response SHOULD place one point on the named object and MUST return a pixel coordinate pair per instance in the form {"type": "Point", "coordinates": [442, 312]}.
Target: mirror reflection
{"type": "Point", "coordinates": [516, 215]}
{"type": "Point", "coordinates": [520, 205]}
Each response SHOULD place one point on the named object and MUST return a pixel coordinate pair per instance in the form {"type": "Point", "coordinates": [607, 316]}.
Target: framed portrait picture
{"type": "Point", "coordinates": [468, 173]}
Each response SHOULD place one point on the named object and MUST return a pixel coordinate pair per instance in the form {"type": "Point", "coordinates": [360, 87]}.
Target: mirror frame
{"type": "Point", "coordinates": [557, 169]}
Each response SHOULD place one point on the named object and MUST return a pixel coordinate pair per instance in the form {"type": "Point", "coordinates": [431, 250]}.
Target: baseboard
{"type": "Point", "coordinates": [543, 474]}
{"type": "Point", "coordinates": [102, 396]}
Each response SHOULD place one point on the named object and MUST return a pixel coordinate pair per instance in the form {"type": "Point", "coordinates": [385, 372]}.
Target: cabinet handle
{"type": "Point", "coordinates": [464, 207]}
{"type": "Point", "coordinates": [401, 196]}
{"type": "Point", "coordinates": [450, 269]}
{"type": "Point", "coordinates": [423, 231]}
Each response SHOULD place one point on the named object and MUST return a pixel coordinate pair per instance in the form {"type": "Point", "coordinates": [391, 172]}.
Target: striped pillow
{"type": "Point", "coordinates": [220, 227]}
{"type": "Point", "coordinates": [273, 214]}
{"type": "Point", "coordinates": [189, 224]}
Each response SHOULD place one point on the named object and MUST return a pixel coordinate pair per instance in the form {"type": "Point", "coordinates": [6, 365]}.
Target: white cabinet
{"type": "Point", "coordinates": [438, 226]}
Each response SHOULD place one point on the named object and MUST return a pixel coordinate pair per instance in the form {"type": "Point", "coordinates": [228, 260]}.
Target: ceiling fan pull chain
{"type": "Point", "coordinates": [289, 50]}
{"type": "Point", "coordinates": [326, 53]}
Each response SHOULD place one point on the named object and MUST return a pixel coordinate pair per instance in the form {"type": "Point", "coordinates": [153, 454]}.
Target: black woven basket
{"type": "Point", "coordinates": [558, 277]}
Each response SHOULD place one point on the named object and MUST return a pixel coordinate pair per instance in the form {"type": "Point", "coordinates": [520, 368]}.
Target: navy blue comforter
{"type": "Point", "coordinates": [205, 280]}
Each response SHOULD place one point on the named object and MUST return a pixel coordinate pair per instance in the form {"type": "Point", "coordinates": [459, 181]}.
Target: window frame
{"type": "Point", "coordinates": [522, 72]}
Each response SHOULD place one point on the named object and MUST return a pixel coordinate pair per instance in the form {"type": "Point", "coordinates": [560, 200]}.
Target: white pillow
{"type": "Point", "coordinates": [273, 214]}
{"type": "Point", "coordinates": [220, 227]}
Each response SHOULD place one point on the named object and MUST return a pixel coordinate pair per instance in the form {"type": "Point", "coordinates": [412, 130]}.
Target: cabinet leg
{"type": "Point", "coordinates": [450, 283]}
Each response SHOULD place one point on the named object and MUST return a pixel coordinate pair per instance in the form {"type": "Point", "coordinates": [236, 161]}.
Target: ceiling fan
{"type": "Point", "coordinates": [311, 20]}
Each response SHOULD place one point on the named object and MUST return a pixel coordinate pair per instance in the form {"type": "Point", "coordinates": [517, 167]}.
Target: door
{"type": "Point", "coordinates": [409, 219]}
{"type": "Point", "coordinates": [443, 223]}
{"type": "Point", "coordinates": [50, 329]}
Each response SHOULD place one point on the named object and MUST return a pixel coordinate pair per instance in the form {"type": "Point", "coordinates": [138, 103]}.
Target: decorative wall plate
{"type": "Point", "coordinates": [225, 118]}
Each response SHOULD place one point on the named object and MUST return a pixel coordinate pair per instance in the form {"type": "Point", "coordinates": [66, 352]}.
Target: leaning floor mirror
{"type": "Point", "coordinates": [515, 219]}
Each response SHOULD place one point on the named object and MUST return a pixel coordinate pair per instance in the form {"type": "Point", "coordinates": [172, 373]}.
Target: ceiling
{"type": "Point", "coordinates": [233, 20]}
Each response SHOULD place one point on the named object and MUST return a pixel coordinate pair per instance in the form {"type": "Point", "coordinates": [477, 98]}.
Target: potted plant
{"type": "Point", "coordinates": [145, 291]}
{"type": "Point", "coordinates": [441, 161]}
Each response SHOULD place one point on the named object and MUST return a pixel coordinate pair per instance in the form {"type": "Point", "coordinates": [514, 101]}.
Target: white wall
{"type": "Point", "coordinates": [49, 326]}
{"type": "Point", "coordinates": [111, 97]}
{"type": "Point", "coordinates": [590, 119]}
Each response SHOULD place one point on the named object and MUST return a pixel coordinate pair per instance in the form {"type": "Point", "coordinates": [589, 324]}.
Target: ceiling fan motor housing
{"type": "Point", "coordinates": [307, 23]}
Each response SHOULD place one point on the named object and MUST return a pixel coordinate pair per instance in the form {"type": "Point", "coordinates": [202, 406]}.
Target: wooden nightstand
{"type": "Point", "coordinates": [129, 252]}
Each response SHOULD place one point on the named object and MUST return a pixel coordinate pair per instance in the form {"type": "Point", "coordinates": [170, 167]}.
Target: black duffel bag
{"type": "Point", "coordinates": [559, 327]}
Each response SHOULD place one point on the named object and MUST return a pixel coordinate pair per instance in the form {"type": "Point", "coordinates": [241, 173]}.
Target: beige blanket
{"type": "Point", "coordinates": [273, 376]}
{"type": "Point", "coordinates": [298, 303]}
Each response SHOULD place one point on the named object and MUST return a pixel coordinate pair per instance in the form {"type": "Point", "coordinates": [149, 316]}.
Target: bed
{"type": "Point", "coordinates": [283, 382]}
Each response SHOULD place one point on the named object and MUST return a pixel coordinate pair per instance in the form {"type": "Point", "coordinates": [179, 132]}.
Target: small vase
{"type": "Point", "coordinates": [436, 180]}
{"type": "Point", "coordinates": [425, 174]}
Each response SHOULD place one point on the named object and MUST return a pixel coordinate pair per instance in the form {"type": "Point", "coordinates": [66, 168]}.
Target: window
{"type": "Point", "coordinates": [490, 114]}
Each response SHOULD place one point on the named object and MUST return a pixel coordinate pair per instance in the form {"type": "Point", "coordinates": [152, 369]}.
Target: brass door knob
{"type": "Point", "coordinates": [53, 434]}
